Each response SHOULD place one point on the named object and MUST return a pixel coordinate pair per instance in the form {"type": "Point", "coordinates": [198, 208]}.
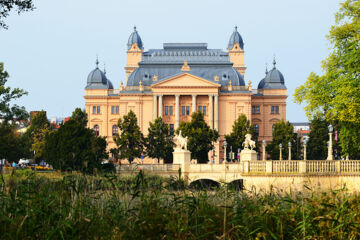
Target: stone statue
{"type": "Point", "coordinates": [181, 142]}
{"type": "Point", "coordinates": [248, 142]}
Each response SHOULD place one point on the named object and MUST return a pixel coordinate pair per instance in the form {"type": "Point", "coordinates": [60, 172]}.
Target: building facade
{"type": "Point", "coordinates": [182, 78]}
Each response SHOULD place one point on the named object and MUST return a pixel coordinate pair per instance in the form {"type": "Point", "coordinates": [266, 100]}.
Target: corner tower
{"type": "Point", "coordinates": [134, 52]}
{"type": "Point", "coordinates": [236, 51]}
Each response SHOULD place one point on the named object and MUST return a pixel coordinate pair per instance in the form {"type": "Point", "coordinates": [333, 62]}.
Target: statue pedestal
{"type": "Point", "coordinates": [248, 155]}
{"type": "Point", "coordinates": [182, 157]}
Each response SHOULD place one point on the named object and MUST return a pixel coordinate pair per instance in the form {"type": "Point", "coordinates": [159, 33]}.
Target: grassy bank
{"type": "Point", "coordinates": [75, 206]}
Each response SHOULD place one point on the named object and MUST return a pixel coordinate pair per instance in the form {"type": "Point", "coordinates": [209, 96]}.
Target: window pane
{"type": "Point", "coordinates": [200, 109]}
{"type": "Point", "coordinates": [112, 110]}
{"type": "Point", "coordinates": [98, 109]}
{"type": "Point", "coordinates": [117, 110]}
{"type": "Point", "coordinates": [94, 109]}
{"type": "Point", "coordinates": [204, 110]}
{"type": "Point", "coordinates": [272, 109]}
{"type": "Point", "coordinates": [187, 110]}
{"type": "Point", "coordinates": [257, 109]}
{"type": "Point", "coordinates": [171, 127]}
{"type": "Point", "coordinates": [277, 109]}
{"type": "Point", "coordinates": [114, 130]}
{"type": "Point", "coordinates": [171, 110]}
{"type": "Point", "coordinates": [253, 109]}
{"type": "Point", "coordinates": [96, 130]}
{"type": "Point", "coordinates": [182, 110]}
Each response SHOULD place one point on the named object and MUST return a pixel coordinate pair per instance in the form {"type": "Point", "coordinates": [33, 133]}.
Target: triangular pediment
{"type": "Point", "coordinates": [185, 80]}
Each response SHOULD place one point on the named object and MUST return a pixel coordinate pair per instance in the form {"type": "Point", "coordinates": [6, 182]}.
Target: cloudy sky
{"type": "Point", "coordinates": [50, 51]}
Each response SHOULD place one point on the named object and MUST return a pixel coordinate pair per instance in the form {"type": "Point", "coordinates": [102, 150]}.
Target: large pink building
{"type": "Point", "coordinates": [181, 78]}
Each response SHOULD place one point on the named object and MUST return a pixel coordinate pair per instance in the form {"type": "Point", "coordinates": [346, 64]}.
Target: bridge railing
{"type": "Point", "coordinates": [149, 167]}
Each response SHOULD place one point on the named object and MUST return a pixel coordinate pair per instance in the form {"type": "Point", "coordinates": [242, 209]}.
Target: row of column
{"type": "Point", "coordinates": [213, 109]}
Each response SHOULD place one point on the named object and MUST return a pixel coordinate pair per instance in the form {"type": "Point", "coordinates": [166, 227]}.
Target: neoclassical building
{"type": "Point", "coordinates": [182, 78]}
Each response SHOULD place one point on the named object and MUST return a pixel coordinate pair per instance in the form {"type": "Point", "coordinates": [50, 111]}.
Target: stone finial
{"type": "Point", "coordinates": [230, 86]}
{"type": "Point", "coordinates": [155, 78]}
{"type": "Point", "coordinates": [250, 86]}
{"type": "Point", "coordinates": [121, 86]}
{"type": "Point", "coordinates": [185, 67]}
{"type": "Point", "coordinates": [216, 78]}
{"type": "Point", "coordinates": [141, 87]}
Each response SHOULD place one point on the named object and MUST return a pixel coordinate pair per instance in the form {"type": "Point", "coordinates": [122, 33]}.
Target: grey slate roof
{"type": "Point", "coordinates": [97, 80]}
{"type": "Point", "coordinates": [273, 80]}
{"type": "Point", "coordinates": [235, 38]}
{"type": "Point", "coordinates": [203, 62]}
{"type": "Point", "coordinates": [135, 38]}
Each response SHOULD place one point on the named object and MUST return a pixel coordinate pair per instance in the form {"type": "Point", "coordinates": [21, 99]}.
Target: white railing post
{"type": "Point", "coordinates": [246, 166]}
{"type": "Point", "coordinates": [337, 166]}
{"type": "Point", "coordinates": [302, 166]}
{"type": "Point", "coordinates": [269, 167]}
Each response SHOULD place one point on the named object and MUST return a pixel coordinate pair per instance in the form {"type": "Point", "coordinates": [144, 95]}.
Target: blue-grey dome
{"type": "Point", "coordinates": [135, 38]}
{"type": "Point", "coordinates": [261, 84]}
{"type": "Point", "coordinates": [235, 38]}
{"type": "Point", "coordinates": [96, 76]}
{"type": "Point", "coordinates": [273, 79]}
{"type": "Point", "coordinates": [97, 80]}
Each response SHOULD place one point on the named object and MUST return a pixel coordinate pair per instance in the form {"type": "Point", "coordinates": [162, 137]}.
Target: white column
{"type": "Point", "coordinates": [216, 113]}
{"type": "Point", "coordinates": [211, 111]}
{"type": "Point", "coordinates": [177, 116]}
{"type": "Point", "coordinates": [154, 107]}
{"type": "Point", "coordinates": [160, 105]}
{"type": "Point", "coordinates": [194, 103]}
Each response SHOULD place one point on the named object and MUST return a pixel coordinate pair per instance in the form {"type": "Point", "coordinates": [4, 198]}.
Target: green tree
{"type": "Point", "coordinates": [7, 5]}
{"type": "Point", "coordinates": [240, 128]}
{"type": "Point", "coordinates": [283, 132]}
{"type": "Point", "coordinates": [130, 139]}
{"type": "Point", "coordinates": [35, 135]}
{"type": "Point", "coordinates": [9, 142]}
{"type": "Point", "coordinates": [159, 142]}
{"type": "Point", "coordinates": [74, 147]}
{"type": "Point", "coordinates": [336, 93]}
{"type": "Point", "coordinates": [80, 116]}
{"type": "Point", "coordinates": [318, 138]}
{"type": "Point", "coordinates": [7, 111]}
{"type": "Point", "coordinates": [200, 135]}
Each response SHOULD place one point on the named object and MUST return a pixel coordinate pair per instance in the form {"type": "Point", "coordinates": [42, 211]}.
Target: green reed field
{"type": "Point", "coordinates": [75, 206]}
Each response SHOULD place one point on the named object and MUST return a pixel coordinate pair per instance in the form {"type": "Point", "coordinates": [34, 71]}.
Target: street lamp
{"type": "Point", "coordinates": [280, 146]}
{"type": "Point", "coordinates": [225, 145]}
{"type": "Point", "coordinates": [289, 144]}
{"type": "Point", "coordinates": [305, 142]}
{"type": "Point", "coordinates": [330, 151]}
{"type": "Point", "coordinates": [264, 150]}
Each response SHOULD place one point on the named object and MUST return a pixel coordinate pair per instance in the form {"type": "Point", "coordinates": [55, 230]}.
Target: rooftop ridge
{"type": "Point", "coordinates": [185, 45]}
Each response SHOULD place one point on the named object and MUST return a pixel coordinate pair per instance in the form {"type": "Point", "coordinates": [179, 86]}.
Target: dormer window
{"type": "Point", "coordinates": [146, 76]}
{"type": "Point", "coordinates": [225, 76]}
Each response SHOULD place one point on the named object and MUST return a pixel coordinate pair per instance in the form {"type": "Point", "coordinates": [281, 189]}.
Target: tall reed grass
{"type": "Point", "coordinates": [76, 206]}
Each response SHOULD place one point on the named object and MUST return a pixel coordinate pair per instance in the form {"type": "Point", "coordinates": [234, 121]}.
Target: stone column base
{"type": "Point", "coordinates": [182, 157]}
{"type": "Point", "coordinates": [248, 155]}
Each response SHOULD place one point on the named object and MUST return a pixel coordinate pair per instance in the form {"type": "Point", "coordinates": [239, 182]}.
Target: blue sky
{"type": "Point", "coordinates": [50, 51]}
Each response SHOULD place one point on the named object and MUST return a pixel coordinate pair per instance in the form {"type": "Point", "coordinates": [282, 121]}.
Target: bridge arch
{"type": "Point", "coordinates": [204, 183]}
{"type": "Point", "coordinates": [236, 184]}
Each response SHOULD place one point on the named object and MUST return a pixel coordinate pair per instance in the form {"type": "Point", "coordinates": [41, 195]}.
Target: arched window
{"type": "Point", "coordinates": [96, 130]}
{"type": "Point", "coordinates": [256, 127]}
{"type": "Point", "coordinates": [114, 130]}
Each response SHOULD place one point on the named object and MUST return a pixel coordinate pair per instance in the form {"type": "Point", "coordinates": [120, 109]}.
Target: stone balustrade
{"type": "Point", "coordinates": [257, 167]}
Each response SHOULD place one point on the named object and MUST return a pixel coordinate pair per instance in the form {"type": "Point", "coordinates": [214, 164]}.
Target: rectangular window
{"type": "Point", "coordinates": [274, 109]}
{"type": "Point", "coordinates": [171, 110]}
{"type": "Point", "coordinates": [255, 110]}
{"type": "Point", "coordinates": [98, 110]}
{"type": "Point", "coordinates": [166, 110]}
{"type": "Point", "coordinates": [171, 127]}
{"type": "Point", "coordinates": [117, 109]}
{"type": "Point", "coordinates": [200, 108]}
{"type": "Point", "coordinates": [94, 109]}
{"type": "Point", "coordinates": [187, 110]}
{"type": "Point", "coordinates": [112, 110]}
{"type": "Point", "coordinates": [204, 110]}
{"type": "Point", "coordinates": [183, 110]}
